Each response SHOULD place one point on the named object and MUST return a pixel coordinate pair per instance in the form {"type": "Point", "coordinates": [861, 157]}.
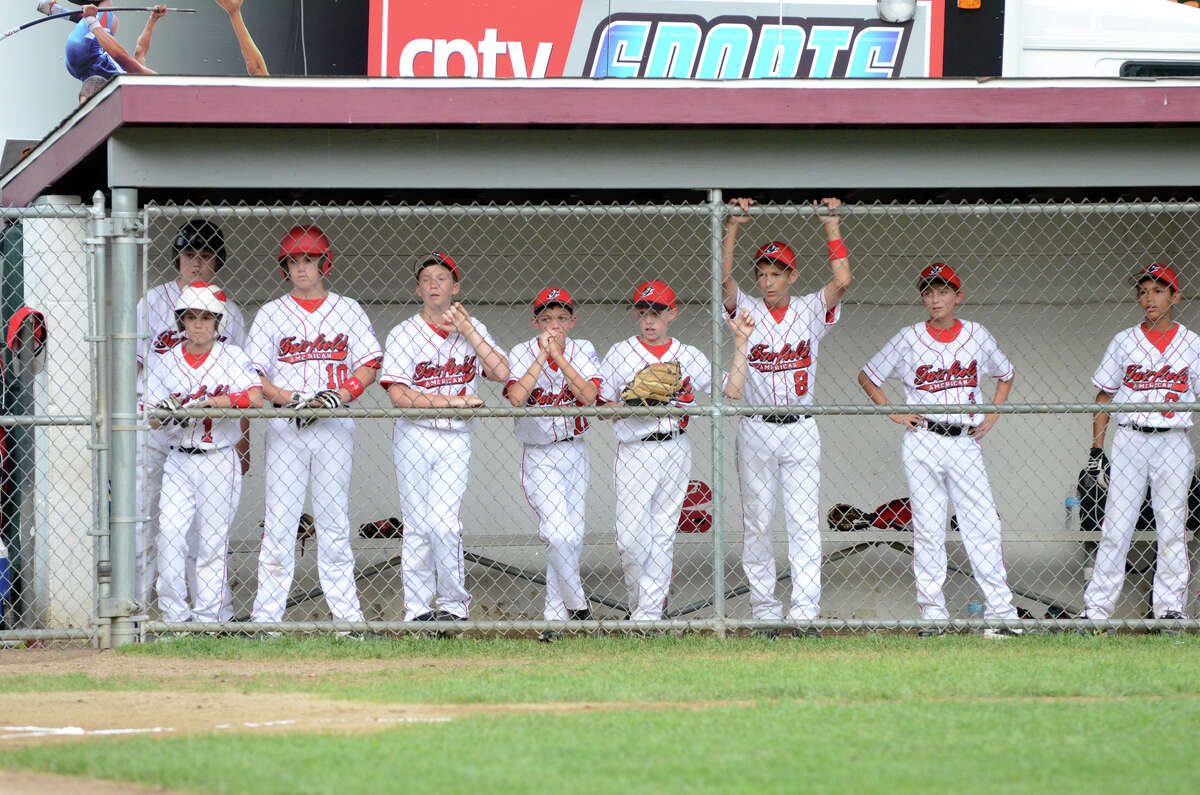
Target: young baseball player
{"type": "Point", "coordinates": [940, 362]}
{"type": "Point", "coordinates": [199, 251]}
{"type": "Point", "coordinates": [553, 369]}
{"type": "Point", "coordinates": [202, 477]}
{"type": "Point", "coordinates": [782, 452]}
{"type": "Point", "coordinates": [433, 359]}
{"type": "Point", "coordinates": [654, 459]}
{"type": "Point", "coordinates": [1156, 361]}
{"type": "Point", "coordinates": [314, 349]}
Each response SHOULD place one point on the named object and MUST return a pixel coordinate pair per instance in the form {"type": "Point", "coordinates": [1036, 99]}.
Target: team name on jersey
{"type": "Point", "coordinates": [790, 357]}
{"type": "Point", "coordinates": [935, 379]}
{"type": "Point", "coordinates": [204, 392]}
{"type": "Point", "coordinates": [544, 397]}
{"type": "Point", "coordinates": [169, 340]}
{"type": "Point", "coordinates": [292, 350]}
{"type": "Point", "coordinates": [1140, 379]}
{"type": "Point", "coordinates": [432, 376]}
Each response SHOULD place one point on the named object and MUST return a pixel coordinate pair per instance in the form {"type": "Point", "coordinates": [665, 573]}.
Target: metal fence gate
{"type": "Point", "coordinates": [1050, 282]}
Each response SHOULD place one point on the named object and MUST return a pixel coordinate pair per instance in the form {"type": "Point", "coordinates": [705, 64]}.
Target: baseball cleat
{"type": "Point", "coordinates": [1172, 615]}
{"type": "Point", "coordinates": [1001, 632]}
{"type": "Point", "coordinates": [768, 634]}
{"type": "Point", "coordinates": [931, 633]}
{"type": "Point", "coordinates": [809, 633]}
{"type": "Point", "coordinates": [549, 636]}
{"type": "Point", "coordinates": [583, 614]}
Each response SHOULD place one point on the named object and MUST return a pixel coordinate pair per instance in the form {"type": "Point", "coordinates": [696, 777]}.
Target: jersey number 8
{"type": "Point", "coordinates": [801, 379]}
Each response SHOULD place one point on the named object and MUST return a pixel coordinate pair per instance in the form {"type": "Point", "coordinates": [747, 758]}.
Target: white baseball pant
{"type": "Point", "coordinates": [199, 490]}
{"type": "Point", "coordinates": [320, 455]}
{"type": "Point", "coordinates": [940, 469]}
{"type": "Point", "coordinates": [771, 456]}
{"type": "Point", "coordinates": [1165, 462]}
{"type": "Point", "coordinates": [555, 479]}
{"type": "Point", "coordinates": [650, 481]}
{"type": "Point", "coordinates": [431, 472]}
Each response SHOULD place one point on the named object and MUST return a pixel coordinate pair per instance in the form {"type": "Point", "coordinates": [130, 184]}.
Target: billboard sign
{"type": "Point", "coordinates": [656, 39]}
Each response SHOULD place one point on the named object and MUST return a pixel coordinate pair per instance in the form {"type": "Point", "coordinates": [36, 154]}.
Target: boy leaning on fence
{"type": "Point", "coordinates": [654, 458]}
{"type": "Point", "coordinates": [780, 454]}
{"type": "Point", "coordinates": [434, 360]}
{"type": "Point", "coordinates": [553, 369]}
{"type": "Point", "coordinates": [1156, 361]}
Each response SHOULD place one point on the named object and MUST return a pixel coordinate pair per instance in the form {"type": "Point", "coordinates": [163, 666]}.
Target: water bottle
{"type": "Point", "coordinates": [974, 611]}
{"type": "Point", "coordinates": [1071, 520]}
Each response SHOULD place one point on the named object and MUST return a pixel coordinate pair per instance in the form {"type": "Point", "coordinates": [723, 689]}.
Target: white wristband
{"type": "Point", "coordinates": [93, 23]}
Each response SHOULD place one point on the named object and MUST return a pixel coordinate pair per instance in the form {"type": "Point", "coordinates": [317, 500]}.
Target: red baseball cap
{"type": "Point", "coordinates": [1159, 272]}
{"type": "Point", "coordinates": [655, 293]}
{"type": "Point", "coordinates": [777, 252]}
{"type": "Point", "coordinates": [438, 258]}
{"type": "Point", "coordinates": [938, 272]}
{"type": "Point", "coordinates": [551, 296]}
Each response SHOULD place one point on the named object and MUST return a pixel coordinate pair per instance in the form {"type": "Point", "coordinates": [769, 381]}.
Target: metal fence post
{"type": "Point", "coordinates": [715, 222]}
{"type": "Point", "coordinates": [127, 236]}
{"type": "Point", "coordinates": [97, 345]}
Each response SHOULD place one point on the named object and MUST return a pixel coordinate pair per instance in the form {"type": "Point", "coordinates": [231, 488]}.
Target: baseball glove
{"type": "Point", "coordinates": [325, 399]}
{"type": "Point", "coordinates": [383, 528]}
{"type": "Point", "coordinates": [655, 384]}
{"type": "Point", "coordinates": [846, 518]}
{"type": "Point", "coordinates": [173, 403]}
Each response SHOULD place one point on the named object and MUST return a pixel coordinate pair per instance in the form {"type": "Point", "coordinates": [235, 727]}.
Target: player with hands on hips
{"type": "Point", "coordinates": [1156, 361]}
{"type": "Point", "coordinates": [553, 369]}
{"type": "Point", "coordinates": [781, 453]}
{"type": "Point", "coordinates": [654, 458]}
{"type": "Point", "coordinates": [940, 362]}
{"type": "Point", "coordinates": [202, 476]}
{"type": "Point", "coordinates": [314, 349]}
{"type": "Point", "coordinates": [433, 360]}
{"type": "Point", "coordinates": [199, 254]}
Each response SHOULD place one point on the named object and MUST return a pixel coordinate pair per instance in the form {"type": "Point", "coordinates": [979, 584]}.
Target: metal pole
{"type": "Point", "coordinates": [97, 339]}
{"type": "Point", "coordinates": [715, 223]}
{"type": "Point", "coordinates": [123, 518]}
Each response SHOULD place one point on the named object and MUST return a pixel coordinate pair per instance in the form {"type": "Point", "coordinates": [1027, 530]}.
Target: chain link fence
{"type": "Point", "coordinates": [51, 513]}
{"type": "Point", "coordinates": [399, 507]}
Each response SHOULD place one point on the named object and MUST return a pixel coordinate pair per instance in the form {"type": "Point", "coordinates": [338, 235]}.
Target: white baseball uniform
{"type": "Point", "coordinates": [555, 468]}
{"type": "Point", "coordinates": [781, 358]}
{"type": "Point", "coordinates": [305, 351]}
{"type": "Point", "coordinates": [156, 320]}
{"type": "Point", "coordinates": [432, 457]}
{"type": "Point", "coordinates": [1147, 448]}
{"type": "Point", "coordinates": [650, 473]}
{"type": "Point", "coordinates": [940, 466]}
{"type": "Point", "coordinates": [202, 479]}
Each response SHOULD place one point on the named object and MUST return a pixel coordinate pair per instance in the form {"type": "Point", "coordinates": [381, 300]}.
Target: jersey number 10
{"type": "Point", "coordinates": [338, 373]}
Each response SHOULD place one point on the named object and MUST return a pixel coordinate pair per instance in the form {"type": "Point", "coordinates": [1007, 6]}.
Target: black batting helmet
{"type": "Point", "coordinates": [200, 236]}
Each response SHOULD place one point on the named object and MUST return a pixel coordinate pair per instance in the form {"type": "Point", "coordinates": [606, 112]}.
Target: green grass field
{"type": "Point", "coordinates": [873, 713]}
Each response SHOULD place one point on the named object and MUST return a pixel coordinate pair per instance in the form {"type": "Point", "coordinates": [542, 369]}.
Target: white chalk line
{"type": "Point", "coordinates": [33, 732]}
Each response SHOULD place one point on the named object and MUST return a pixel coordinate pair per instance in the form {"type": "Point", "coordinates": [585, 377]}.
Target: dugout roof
{"type": "Point", "coordinates": [173, 136]}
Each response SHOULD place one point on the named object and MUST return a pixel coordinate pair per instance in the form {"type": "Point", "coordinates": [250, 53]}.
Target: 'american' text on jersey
{"type": "Point", "coordinates": [1140, 379]}
{"type": "Point", "coordinates": [765, 360]}
{"type": "Point", "coordinates": [935, 379]}
{"type": "Point", "coordinates": [431, 376]}
{"type": "Point", "coordinates": [292, 350]}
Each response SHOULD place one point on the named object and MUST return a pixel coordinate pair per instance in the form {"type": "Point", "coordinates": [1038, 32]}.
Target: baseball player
{"type": "Point", "coordinates": [1156, 361]}
{"type": "Point", "coordinates": [202, 477]}
{"type": "Point", "coordinates": [940, 362]}
{"type": "Point", "coordinates": [313, 349]}
{"type": "Point", "coordinates": [782, 452]}
{"type": "Point", "coordinates": [199, 251]}
{"type": "Point", "coordinates": [556, 370]}
{"type": "Point", "coordinates": [433, 360]}
{"type": "Point", "coordinates": [654, 458]}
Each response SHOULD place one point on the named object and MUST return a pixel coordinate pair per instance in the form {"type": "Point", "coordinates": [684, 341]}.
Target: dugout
{"type": "Point", "coordinates": [169, 142]}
